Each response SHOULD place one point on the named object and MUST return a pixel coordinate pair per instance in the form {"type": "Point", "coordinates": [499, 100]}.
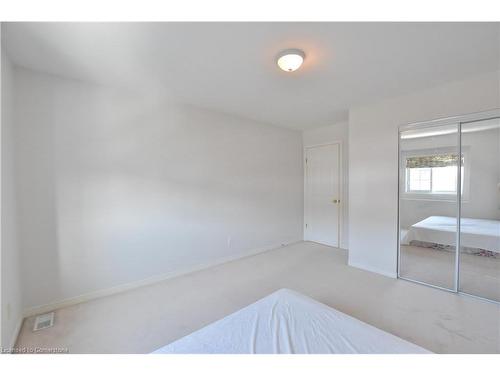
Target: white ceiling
{"type": "Point", "coordinates": [231, 67]}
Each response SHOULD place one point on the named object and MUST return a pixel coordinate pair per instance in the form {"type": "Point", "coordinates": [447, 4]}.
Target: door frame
{"type": "Point", "coordinates": [340, 225]}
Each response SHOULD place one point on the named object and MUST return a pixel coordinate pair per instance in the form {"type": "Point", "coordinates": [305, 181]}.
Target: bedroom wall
{"type": "Point", "coordinates": [11, 303]}
{"type": "Point", "coordinates": [373, 161]}
{"type": "Point", "coordinates": [327, 134]}
{"type": "Point", "coordinates": [483, 149]}
{"type": "Point", "coordinates": [117, 187]}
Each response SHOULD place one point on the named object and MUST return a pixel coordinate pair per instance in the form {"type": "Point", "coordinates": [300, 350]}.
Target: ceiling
{"type": "Point", "coordinates": [230, 67]}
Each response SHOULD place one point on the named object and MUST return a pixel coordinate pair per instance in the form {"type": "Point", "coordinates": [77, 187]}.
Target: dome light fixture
{"type": "Point", "coordinates": [290, 60]}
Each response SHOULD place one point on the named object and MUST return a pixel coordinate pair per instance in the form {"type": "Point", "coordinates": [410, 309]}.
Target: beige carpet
{"type": "Point", "coordinates": [145, 319]}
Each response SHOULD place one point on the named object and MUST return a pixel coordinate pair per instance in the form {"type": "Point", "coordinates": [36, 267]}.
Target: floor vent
{"type": "Point", "coordinates": [44, 321]}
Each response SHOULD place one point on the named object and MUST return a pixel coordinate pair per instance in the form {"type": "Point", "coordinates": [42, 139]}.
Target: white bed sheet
{"type": "Point", "coordinates": [475, 233]}
{"type": "Point", "coordinates": [286, 322]}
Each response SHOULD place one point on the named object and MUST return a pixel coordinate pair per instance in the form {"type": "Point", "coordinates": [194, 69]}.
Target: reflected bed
{"type": "Point", "coordinates": [478, 234]}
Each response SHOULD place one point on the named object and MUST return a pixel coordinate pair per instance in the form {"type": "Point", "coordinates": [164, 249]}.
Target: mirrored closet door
{"type": "Point", "coordinates": [449, 204]}
{"type": "Point", "coordinates": [480, 209]}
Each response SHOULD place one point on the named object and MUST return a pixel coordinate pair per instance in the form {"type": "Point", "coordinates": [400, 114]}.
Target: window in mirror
{"type": "Point", "coordinates": [432, 175]}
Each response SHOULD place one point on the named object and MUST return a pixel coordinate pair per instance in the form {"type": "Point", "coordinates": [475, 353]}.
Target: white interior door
{"type": "Point", "coordinates": [323, 190]}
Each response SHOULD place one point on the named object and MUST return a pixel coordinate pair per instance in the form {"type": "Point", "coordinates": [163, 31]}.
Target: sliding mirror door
{"type": "Point", "coordinates": [480, 209]}
{"type": "Point", "coordinates": [449, 197]}
{"type": "Point", "coordinates": [428, 171]}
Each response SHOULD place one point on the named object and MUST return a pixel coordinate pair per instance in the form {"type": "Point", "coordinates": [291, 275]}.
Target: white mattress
{"type": "Point", "coordinates": [475, 233]}
{"type": "Point", "coordinates": [287, 322]}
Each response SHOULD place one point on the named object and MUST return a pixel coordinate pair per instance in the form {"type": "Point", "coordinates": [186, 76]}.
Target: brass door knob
{"type": "Point", "coordinates": [336, 201]}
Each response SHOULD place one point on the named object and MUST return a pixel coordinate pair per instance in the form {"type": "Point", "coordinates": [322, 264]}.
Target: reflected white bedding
{"type": "Point", "coordinates": [286, 322]}
{"type": "Point", "coordinates": [475, 233]}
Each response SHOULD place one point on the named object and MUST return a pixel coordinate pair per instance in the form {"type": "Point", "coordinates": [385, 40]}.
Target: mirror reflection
{"type": "Point", "coordinates": [432, 177]}
{"type": "Point", "coordinates": [480, 211]}
{"type": "Point", "coordinates": [428, 204]}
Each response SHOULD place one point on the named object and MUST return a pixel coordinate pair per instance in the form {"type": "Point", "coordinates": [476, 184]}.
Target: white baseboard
{"type": "Point", "coordinates": [364, 267]}
{"type": "Point", "coordinates": [41, 309]}
{"type": "Point", "coordinates": [323, 244]}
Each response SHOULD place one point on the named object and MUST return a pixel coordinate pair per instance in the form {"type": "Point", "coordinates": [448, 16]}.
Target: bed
{"type": "Point", "coordinates": [475, 233]}
{"type": "Point", "coordinates": [286, 322]}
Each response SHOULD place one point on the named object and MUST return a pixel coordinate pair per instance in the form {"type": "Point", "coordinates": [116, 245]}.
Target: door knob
{"type": "Point", "coordinates": [336, 201]}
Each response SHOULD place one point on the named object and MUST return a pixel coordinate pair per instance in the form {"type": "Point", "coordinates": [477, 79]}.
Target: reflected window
{"type": "Point", "coordinates": [432, 175]}
{"type": "Point", "coordinates": [418, 180]}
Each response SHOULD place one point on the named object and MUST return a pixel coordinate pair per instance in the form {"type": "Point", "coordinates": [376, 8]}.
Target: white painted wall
{"type": "Point", "coordinates": [11, 303]}
{"type": "Point", "coordinates": [328, 134]}
{"type": "Point", "coordinates": [373, 161]}
{"type": "Point", "coordinates": [116, 187]}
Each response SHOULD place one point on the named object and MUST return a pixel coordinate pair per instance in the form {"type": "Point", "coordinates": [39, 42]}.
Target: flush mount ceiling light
{"type": "Point", "coordinates": [290, 59]}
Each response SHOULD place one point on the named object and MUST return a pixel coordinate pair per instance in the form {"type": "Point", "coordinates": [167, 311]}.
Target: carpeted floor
{"type": "Point", "coordinates": [144, 319]}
